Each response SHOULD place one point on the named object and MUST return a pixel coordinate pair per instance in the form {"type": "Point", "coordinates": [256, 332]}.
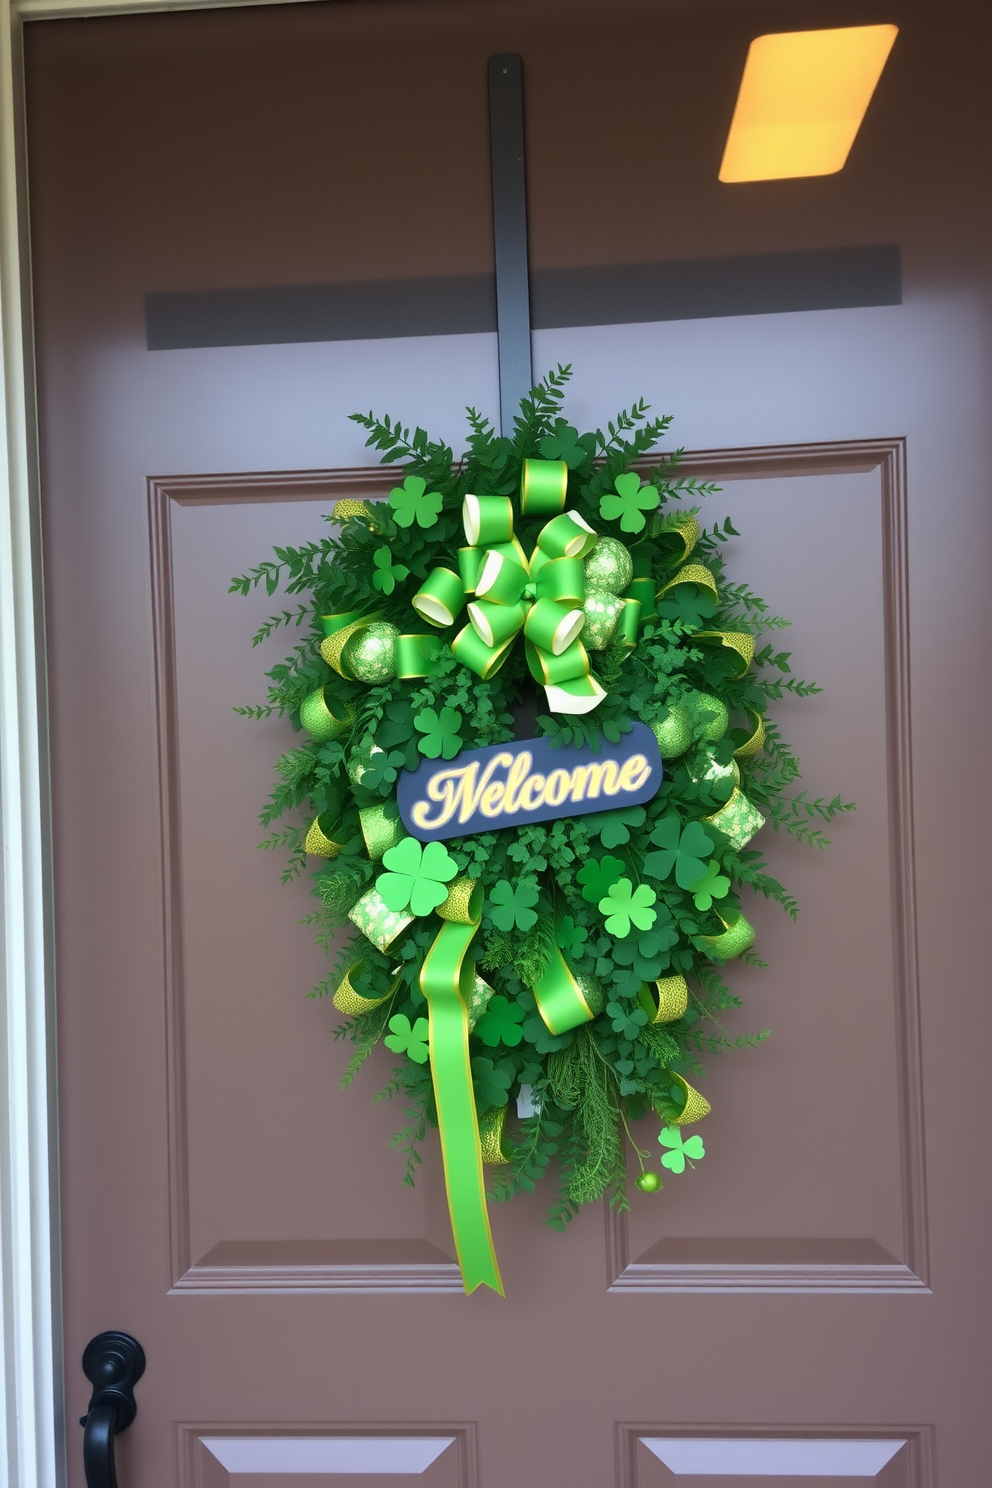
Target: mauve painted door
{"type": "Point", "coordinates": [814, 1300]}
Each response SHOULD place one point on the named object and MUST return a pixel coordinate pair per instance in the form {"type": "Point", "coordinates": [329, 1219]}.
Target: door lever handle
{"type": "Point", "coordinates": [113, 1363]}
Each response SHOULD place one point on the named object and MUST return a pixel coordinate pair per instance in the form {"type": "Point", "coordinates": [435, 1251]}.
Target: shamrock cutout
{"type": "Point", "coordinates": [418, 876]}
{"type": "Point", "coordinates": [626, 906]}
{"type": "Point", "coordinates": [690, 606]}
{"type": "Point", "coordinates": [382, 771]}
{"type": "Point", "coordinates": [598, 876]}
{"type": "Point", "coordinates": [571, 937]}
{"type": "Point", "coordinates": [514, 905]}
{"type": "Point", "coordinates": [500, 1023]}
{"type": "Point", "coordinates": [492, 1082]}
{"type": "Point", "coordinates": [440, 732]}
{"type": "Point", "coordinates": [671, 1136]}
{"type": "Point", "coordinates": [387, 573]}
{"type": "Point", "coordinates": [613, 827]}
{"type": "Point", "coordinates": [627, 1021]}
{"type": "Point", "coordinates": [413, 502]}
{"type": "Point", "coordinates": [712, 886]}
{"type": "Point", "coordinates": [564, 444]}
{"type": "Point", "coordinates": [406, 1040]}
{"type": "Point", "coordinates": [630, 503]}
{"type": "Point", "coordinates": [686, 851]}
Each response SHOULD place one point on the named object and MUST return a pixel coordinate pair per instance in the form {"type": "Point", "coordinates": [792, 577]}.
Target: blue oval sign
{"type": "Point", "coordinates": [511, 785]}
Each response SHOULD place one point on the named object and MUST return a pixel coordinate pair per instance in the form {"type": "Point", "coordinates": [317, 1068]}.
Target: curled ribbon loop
{"type": "Point", "coordinates": [540, 596]}
{"type": "Point", "coordinates": [447, 980]}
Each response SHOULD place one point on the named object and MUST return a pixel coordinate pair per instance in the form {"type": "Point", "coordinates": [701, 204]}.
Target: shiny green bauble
{"type": "Point", "coordinates": [703, 766]}
{"type": "Point", "coordinates": [717, 720]}
{"type": "Point", "coordinates": [673, 732]}
{"type": "Point", "coordinates": [592, 990]}
{"type": "Point", "coordinates": [601, 609]}
{"type": "Point", "coordinates": [649, 1183]}
{"type": "Point", "coordinates": [371, 655]}
{"type": "Point", "coordinates": [609, 566]}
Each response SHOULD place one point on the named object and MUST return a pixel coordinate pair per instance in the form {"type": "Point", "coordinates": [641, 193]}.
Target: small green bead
{"type": "Point", "coordinates": [649, 1183]}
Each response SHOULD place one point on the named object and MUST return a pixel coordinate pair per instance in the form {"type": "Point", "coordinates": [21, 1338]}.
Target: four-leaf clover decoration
{"type": "Point", "coordinates": [598, 876]}
{"type": "Point", "coordinates": [413, 502]}
{"type": "Point", "coordinates": [686, 850]}
{"type": "Point", "coordinates": [387, 573]}
{"type": "Point", "coordinates": [626, 906]}
{"type": "Point", "coordinates": [403, 1039]}
{"type": "Point", "coordinates": [500, 1023]}
{"type": "Point", "coordinates": [630, 503]}
{"type": "Point", "coordinates": [564, 444]}
{"type": "Point", "coordinates": [682, 1147]}
{"type": "Point", "coordinates": [514, 906]}
{"type": "Point", "coordinates": [418, 876]}
{"type": "Point", "coordinates": [711, 886]}
{"type": "Point", "coordinates": [440, 731]}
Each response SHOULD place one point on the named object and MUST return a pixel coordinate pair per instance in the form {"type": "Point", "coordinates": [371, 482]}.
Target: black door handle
{"type": "Point", "coordinates": [113, 1363]}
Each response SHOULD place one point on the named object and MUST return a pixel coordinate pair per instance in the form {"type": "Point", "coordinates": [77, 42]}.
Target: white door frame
{"type": "Point", "coordinates": [32, 1434]}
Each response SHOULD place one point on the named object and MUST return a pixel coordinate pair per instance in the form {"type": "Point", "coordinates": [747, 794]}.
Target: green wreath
{"type": "Point", "coordinates": [568, 970]}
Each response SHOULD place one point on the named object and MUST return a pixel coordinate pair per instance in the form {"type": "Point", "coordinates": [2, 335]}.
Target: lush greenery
{"type": "Point", "coordinates": [543, 883]}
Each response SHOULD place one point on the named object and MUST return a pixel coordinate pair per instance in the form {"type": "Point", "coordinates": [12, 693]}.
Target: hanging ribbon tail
{"type": "Point", "coordinates": [447, 980]}
{"type": "Point", "coordinates": [567, 679]}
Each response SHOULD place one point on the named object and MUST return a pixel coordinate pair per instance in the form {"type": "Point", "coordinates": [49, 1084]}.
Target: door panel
{"type": "Point", "coordinates": [823, 1276]}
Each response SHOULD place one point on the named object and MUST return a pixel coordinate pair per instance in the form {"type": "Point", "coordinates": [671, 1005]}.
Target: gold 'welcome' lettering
{"type": "Point", "coordinates": [458, 790]}
{"type": "Point", "coordinates": [587, 780]}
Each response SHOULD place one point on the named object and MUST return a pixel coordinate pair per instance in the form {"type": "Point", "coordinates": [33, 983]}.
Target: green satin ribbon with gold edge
{"type": "Point", "coordinates": [560, 1000]}
{"type": "Point", "coordinates": [540, 596]}
{"type": "Point", "coordinates": [447, 980]}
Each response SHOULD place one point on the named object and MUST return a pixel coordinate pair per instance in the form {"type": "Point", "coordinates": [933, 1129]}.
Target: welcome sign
{"type": "Point", "coordinates": [512, 785]}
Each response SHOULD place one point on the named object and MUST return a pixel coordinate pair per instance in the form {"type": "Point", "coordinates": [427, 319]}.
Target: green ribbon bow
{"type": "Point", "coordinates": [540, 595]}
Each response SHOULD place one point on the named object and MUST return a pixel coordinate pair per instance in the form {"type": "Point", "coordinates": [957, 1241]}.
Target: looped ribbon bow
{"type": "Point", "coordinates": [540, 595]}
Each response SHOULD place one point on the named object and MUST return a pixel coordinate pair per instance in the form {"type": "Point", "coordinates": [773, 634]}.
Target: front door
{"type": "Point", "coordinates": [249, 223]}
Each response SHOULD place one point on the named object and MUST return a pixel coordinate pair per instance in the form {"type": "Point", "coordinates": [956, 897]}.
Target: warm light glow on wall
{"type": "Point", "coordinates": [801, 101]}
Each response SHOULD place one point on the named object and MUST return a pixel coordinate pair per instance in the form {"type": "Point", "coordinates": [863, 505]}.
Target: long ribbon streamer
{"type": "Point", "coordinates": [447, 980]}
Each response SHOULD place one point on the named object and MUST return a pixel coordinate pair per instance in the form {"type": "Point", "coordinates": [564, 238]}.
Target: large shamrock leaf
{"type": "Point", "coordinates": [613, 827]}
{"type": "Point", "coordinates": [711, 886]}
{"type": "Point", "coordinates": [500, 1023]}
{"type": "Point", "coordinates": [597, 877]}
{"type": "Point", "coordinates": [418, 876]}
{"type": "Point", "coordinates": [682, 1147]}
{"type": "Point", "coordinates": [571, 937]}
{"type": "Point", "coordinates": [403, 1039]}
{"type": "Point", "coordinates": [492, 1081]}
{"type": "Point", "coordinates": [440, 730]}
{"type": "Point", "coordinates": [387, 573]}
{"type": "Point", "coordinates": [565, 444]}
{"type": "Point", "coordinates": [685, 850]}
{"type": "Point", "coordinates": [630, 503]}
{"type": "Point", "coordinates": [413, 502]}
{"type": "Point", "coordinates": [625, 906]}
{"type": "Point", "coordinates": [627, 1021]}
{"type": "Point", "coordinates": [689, 605]}
{"type": "Point", "coordinates": [514, 906]}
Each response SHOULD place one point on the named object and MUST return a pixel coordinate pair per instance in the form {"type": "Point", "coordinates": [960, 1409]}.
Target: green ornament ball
{"type": "Point", "coordinates": [601, 610]}
{"type": "Point", "coordinates": [673, 732]}
{"type": "Point", "coordinates": [361, 760]}
{"type": "Point", "coordinates": [649, 1183]}
{"type": "Point", "coordinates": [719, 719]}
{"type": "Point", "coordinates": [609, 566]}
{"type": "Point", "coordinates": [371, 655]}
{"type": "Point", "coordinates": [592, 990]}
{"type": "Point", "coordinates": [703, 766]}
